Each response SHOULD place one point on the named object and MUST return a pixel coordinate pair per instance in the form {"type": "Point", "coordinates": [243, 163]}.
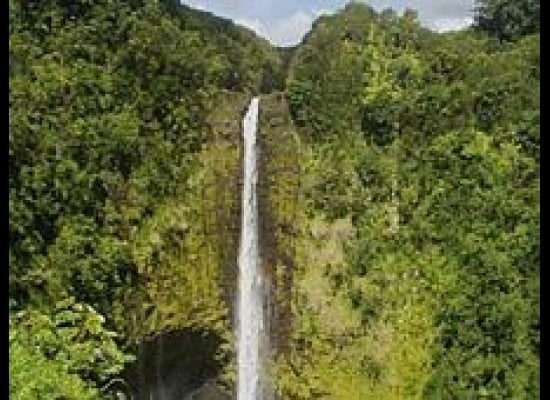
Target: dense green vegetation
{"type": "Point", "coordinates": [425, 155]}
{"type": "Point", "coordinates": [401, 189]}
{"type": "Point", "coordinates": [508, 19]}
{"type": "Point", "coordinates": [111, 129]}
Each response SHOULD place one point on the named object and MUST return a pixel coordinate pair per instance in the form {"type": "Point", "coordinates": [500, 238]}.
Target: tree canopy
{"type": "Point", "coordinates": [426, 146]}
{"type": "Point", "coordinates": [508, 19]}
{"type": "Point", "coordinates": [109, 111]}
{"type": "Point", "coordinates": [415, 237]}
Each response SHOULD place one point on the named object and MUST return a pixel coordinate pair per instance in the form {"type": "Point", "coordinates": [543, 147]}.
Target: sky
{"type": "Point", "coordinates": [284, 22]}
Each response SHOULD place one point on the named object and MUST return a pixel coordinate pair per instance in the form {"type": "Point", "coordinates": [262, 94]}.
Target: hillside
{"type": "Point", "coordinates": [421, 256]}
{"type": "Point", "coordinates": [399, 182]}
{"type": "Point", "coordinates": [123, 152]}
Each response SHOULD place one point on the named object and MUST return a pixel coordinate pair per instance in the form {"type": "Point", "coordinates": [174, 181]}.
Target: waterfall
{"type": "Point", "coordinates": [250, 302]}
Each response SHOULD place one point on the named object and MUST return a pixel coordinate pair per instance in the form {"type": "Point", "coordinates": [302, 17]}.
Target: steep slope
{"type": "Point", "coordinates": [423, 155]}
{"type": "Point", "coordinates": [123, 174]}
{"type": "Point", "coordinates": [399, 186]}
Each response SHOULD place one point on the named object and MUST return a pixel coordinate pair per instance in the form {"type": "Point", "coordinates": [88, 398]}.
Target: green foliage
{"type": "Point", "coordinates": [100, 128]}
{"type": "Point", "coordinates": [508, 19]}
{"type": "Point", "coordinates": [439, 176]}
{"type": "Point", "coordinates": [45, 379]}
{"type": "Point", "coordinates": [416, 267]}
{"type": "Point", "coordinates": [109, 113]}
{"type": "Point", "coordinates": [62, 354]}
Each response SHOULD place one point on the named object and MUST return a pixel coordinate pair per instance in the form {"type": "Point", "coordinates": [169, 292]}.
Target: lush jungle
{"type": "Point", "coordinates": [413, 235]}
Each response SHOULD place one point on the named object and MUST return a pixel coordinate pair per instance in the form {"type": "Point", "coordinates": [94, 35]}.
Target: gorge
{"type": "Point", "coordinates": [197, 214]}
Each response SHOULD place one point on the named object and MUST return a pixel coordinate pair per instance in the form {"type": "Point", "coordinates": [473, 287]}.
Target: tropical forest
{"type": "Point", "coordinates": [197, 213]}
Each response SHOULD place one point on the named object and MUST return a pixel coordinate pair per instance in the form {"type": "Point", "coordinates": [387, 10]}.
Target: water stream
{"type": "Point", "coordinates": [250, 325]}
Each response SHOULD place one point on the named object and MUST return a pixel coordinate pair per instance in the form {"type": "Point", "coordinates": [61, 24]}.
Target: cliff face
{"type": "Point", "coordinates": [202, 319]}
{"type": "Point", "coordinates": [280, 212]}
{"type": "Point", "coordinates": [184, 310]}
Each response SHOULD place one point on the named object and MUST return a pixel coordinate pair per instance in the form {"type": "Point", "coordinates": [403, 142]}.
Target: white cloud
{"type": "Point", "coordinates": [323, 11]}
{"type": "Point", "coordinates": [197, 5]}
{"type": "Point", "coordinates": [446, 15]}
{"type": "Point", "coordinates": [285, 31]}
{"type": "Point", "coordinates": [254, 24]}
{"type": "Point", "coordinates": [289, 31]}
{"type": "Point", "coordinates": [450, 24]}
{"type": "Point", "coordinates": [439, 15]}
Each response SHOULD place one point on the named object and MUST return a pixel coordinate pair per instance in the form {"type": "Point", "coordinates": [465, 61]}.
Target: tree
{"type": "Point", "coordinates": [508, 19]}
{"type": "Point", "coordinates": [64, 353]}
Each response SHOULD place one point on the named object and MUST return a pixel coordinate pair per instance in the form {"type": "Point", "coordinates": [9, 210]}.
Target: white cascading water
{"type": "Point", "coordinates": [250, 304]}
